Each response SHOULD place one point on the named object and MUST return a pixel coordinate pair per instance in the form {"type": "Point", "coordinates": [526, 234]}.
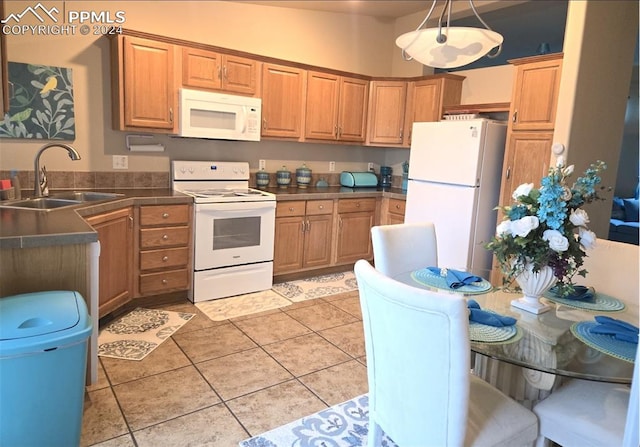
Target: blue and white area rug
{"type": "Point", "coordinates": [138, 333]}
{"type": "Point", "coordinates": [343, 425]}
{"type": "Point", "coordinates": [317, 286]}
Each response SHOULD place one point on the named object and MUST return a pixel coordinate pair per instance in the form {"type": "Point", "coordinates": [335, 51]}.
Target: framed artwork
{"type": "Point", "coordinates": [40, 103]}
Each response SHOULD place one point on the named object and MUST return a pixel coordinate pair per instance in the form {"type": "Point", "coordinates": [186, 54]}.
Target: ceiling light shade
{"type": "Point", "coordinates": [463, 46]}
{"type": "Point", "coordinates": [447, 46]}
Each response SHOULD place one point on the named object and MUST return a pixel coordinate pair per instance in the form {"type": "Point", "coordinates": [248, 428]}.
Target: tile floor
{"type": "Point", "coordinates": [217, 383]}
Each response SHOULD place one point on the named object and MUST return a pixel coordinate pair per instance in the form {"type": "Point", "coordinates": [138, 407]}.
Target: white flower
{"type": "Point", "coordinates": [568, 170]}
{"type": "Point", "coordinates": [557, 241]}
{"type": "Point", "coordinates": [522, 190]}
{"type": "Point", "coordinates": [566, 194]}
{"type": "Point", "coordinates": [587, 237]}
{"type": "Point", "coordinates": [523, 226]}
{"type": "Point", "coordinates": [579, 217]}
{"type": "Point", "coordinates": [503, 228]}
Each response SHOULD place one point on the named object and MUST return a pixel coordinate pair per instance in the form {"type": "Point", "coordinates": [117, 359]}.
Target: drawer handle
{"type": "Point", "coordinates": [290, 208]}
{"type": "Point", "coordinates": [165, 215]}
{"type": "Point", "coordinates": [165, 237]}
{"type": "Point", "coordinates": [321, 207]}
{"type": "Point", "coordinates": [165, 282]}
{"type": "Point", "coordinates": [165, 258]}
{"type": "Point", "coordinates": [397, 207]}
{"type": "Point", "coordinates": [358, 205]}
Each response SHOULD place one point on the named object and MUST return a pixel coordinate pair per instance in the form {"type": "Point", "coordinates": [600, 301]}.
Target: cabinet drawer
{"type": "Point", "coordinates": [164, 237]}
{"type": "Point", "coordinates": [396, 206]}
{"type": "Point", "coordinates": [164, 214]}
{"type": "Point", "coordinates": [293, 208]}
{"type": "Point", "coordinates": [355, 205]}
{"type": "Point", "coordinates": [163, 259]}
{"type": "Point", "coordinates": [315, 207]}
{"type": "Point", "coordinates": [164, 281]}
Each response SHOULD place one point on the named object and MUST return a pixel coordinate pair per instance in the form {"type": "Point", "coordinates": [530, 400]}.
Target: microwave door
{"type": "Point", "coordinates": [204, 119]}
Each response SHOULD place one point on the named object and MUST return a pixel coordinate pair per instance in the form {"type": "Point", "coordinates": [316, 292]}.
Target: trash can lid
{"type": "Point", "coordinates": [38, 313]}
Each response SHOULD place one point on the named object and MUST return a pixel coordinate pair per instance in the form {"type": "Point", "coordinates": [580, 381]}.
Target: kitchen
{"type": "Point", "coordinates": [89, 57]}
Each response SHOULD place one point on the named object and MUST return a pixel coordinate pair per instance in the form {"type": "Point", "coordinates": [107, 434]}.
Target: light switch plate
{"type": "Point", "coordinates": [332, 166]}
{"type": "Point", "coordinates": [262, 164]}
{"type": "Point", "coordinates": [120, 162]}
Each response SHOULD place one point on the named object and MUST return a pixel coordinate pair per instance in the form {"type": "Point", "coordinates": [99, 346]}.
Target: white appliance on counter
{"type": "Point", "coordinates": [219, 116]}
{"type": "Point", "coordinates": [234, 228]}
{"type": "Point", "coordinates": [454, 181]}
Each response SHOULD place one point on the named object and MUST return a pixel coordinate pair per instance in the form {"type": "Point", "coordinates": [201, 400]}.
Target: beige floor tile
{"type": "Point", "coordinates": [306, 354]}
{"type": "Point", "coordinates": [120, 441]}
{"type": "Point", "coordinates": [213, 342]}
{"type": "Point", "coordinates": [243, 373]}
{"type": "Point", "coordinates": [351, 305]}
{"type": "Point", "coordinates": [270, 408]}
{"type": "Point", "coordinates": [214, 426]}
{"type": "Point", "coordinates": [271, 328]}
{"type": "Point", "coordinates": [165, 357]}
{"type": "Point", "coordinates": [164, 396]}
{"type": "Point", "coordinates": [338, 383]}
{"type": "Point", "coordinates": [102, 419]}
{"type": "Point", "coordinates": [199, 321]}
{"type": "Point", "coordinates": [258, 314]}
{"type": "Point", "coordinates": [321, 316]}
{"type": "Point", "coordinates": [349, 338]}
{"type": "Point", "coordinates": [102, 381]}
{"type": "Point", "coordinates": [341, 296]}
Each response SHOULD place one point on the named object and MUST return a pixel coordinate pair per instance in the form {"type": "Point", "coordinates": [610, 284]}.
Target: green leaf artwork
{"type": "Point", "coordinates": [41, 103]}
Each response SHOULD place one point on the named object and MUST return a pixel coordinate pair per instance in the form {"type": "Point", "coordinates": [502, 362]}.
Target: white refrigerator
{"type": "Point", "coordinates": [454, 181]}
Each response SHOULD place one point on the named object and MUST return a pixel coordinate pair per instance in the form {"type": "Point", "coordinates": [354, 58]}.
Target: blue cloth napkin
{"type": "Point", "coordinates": [580, 293]}
{"type": "Point", "coordinates": [621, 330]}
{"type": "Point", "coordinates": [455, 278]}
{"type": "Point", "coordinates": [477, 315]}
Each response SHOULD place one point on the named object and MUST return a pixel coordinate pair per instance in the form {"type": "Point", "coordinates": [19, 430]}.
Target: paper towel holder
{"type": "Point", "coordinates": [157, 147]}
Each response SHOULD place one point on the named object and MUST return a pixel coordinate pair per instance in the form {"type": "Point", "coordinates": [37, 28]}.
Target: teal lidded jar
{"type": "Point", "coordinates": [283, 177]}
{"type": "Point", "coordinates": [262, 178]}
{"type": "Point", "coordinates": [303, 176]}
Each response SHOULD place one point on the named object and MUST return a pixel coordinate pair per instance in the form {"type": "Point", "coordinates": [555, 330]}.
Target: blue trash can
{"type": "Point", "coordinates": [43, 354]}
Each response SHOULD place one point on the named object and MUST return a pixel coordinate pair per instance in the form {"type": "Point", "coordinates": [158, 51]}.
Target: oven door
{"type": "Point", "coordinates": [233, 233]}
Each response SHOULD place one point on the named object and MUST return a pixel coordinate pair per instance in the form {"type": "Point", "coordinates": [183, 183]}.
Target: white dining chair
{"type": "Point", "coordinates": [404, 247]}
{"type": "Point", "coordinates": [584, 413]}
{"type": "Point", "coordinates": [421, 393]}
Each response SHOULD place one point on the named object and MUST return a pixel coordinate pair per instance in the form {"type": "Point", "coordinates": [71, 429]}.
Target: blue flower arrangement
{"type": "Point", "coordinates": [548, 227]}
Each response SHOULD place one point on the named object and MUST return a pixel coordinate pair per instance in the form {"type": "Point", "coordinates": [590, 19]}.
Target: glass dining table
{"type": "Point", "coordinates": [545, 344]}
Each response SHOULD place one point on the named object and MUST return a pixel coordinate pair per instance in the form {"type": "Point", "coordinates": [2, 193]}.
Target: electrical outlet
{"type": "Point", "coordinates": [332, 166]}
{"type": "Point", "coordinates": [262, 164]}
{"type": "Point", "coordinates": [120, 162]}
{"type": "Point", "coordinates": [369, 166]}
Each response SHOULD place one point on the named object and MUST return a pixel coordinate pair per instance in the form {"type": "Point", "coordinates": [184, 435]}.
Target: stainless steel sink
{"type": "Point", "coordinates": [85, 196]}
{"type": "Point", "coordinates": [40, 203]}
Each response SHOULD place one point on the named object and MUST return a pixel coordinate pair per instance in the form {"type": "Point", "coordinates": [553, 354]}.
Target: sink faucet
{"type": "Point", "coordinates": [73, 155]}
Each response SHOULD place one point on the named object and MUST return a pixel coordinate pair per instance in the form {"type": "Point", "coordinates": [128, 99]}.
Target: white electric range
{"type": "Point", "coordinates": [234, 228]}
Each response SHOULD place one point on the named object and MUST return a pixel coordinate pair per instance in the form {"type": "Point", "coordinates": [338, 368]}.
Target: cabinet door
{"type": "Point", "coordinates": [282, 104]}
{"type": "Point", "coordinates": [289, 237]}
{"type": "Point", "coordinates": [149, 91]}
{"type": "Point", "coordinates": [115, 233]}
{"type": "Point", "coordinates": [201, 68]}
{"type": "Point", "coordinates": [354, 240]}
{"type": "Point", "coordinates": [352, 111]}
{"type": "Point", "coordinates": [239, 75]}
{"type": "Point", "coordinates": [535, 95]}
{"type": "Point", "coordinates": [317, 240]}
{"type": "Point", "coordinates": [322, 106]}
{"type": "Point", "coordinates": [386, 112]}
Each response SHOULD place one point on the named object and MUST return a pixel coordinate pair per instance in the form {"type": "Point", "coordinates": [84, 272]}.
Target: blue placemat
{"type": "Point", "coordinates": [599, 303]}
{"type": "Point", "coordinates": [491, 334]}
{"type": "Point", "coordinates": [605, 343]}
{"type": "Point", "coordinates": [428, 278]}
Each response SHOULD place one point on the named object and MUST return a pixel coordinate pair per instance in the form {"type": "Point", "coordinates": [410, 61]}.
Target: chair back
{"type": "Point", "coordinates": [404, 247]}
{"type": "Point", "coordinates": [417, 347]}
{"type": "Point", "coordinates": [613, 268]}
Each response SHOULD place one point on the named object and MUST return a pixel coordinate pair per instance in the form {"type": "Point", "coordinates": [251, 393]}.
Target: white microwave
{"type": "Point", "coordinates": [219, 116]}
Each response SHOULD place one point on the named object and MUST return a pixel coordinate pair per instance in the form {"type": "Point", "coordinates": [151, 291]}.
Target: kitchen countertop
{"type": "Point", "coordinates": [25, 228]}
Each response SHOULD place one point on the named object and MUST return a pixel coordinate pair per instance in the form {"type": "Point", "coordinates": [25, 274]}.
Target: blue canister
{"type": "Point", "coordinates": [262, 178]}
{"type": "Point", "coordinates": [283, 177]}
{"type": "Point", "coordinates": [303, 176]}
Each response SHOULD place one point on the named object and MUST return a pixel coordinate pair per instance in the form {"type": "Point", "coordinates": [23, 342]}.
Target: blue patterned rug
{"type": "Point", "coordinates": [317, 286]}
{"type": "Point", "coordinates": [343, 425]}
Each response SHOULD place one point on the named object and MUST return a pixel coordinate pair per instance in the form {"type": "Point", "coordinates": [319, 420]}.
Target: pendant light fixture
{"type": "Point", "coordinates": [449, 46]}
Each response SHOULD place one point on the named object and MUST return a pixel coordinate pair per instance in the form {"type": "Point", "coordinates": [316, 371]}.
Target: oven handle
{"type": "Point", "coordinates": [235, 206]}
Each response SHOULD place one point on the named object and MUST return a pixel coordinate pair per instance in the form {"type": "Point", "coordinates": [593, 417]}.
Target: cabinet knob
{"type": "Point", "coordinates": [321, 207]}
{"type": "Point", "coordinates": [165, 282]}
{"type": "Point", "coordinates": [165, 215]}
{"type": "Point", "coordinates": [358, 205]}
{"type": "Point", "coordinates": [165, 258]}
{"type": "Point", "coordinates": [397, 206]}
{"type": "Point", "coordinates": [165, 236]}
{"type": "Point", "coordinates": [291, 208]}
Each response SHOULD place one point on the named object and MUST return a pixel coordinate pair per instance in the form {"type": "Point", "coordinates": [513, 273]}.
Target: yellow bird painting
{"type": "Point", "coordinates": [52, 83]}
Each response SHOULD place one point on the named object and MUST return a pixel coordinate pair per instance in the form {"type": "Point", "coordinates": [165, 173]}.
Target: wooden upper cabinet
{"type": "Point", "coordinates": [387, 101]}
{"type": "Point", "coordinates": [215, 71]}
{"type": "Point", "coordinates": [535, 92]}
{"type": "Point", "coordinates": [336, 107]}
{"type": "Point", "coordinates": [282, 100]}
{"type": "Point", "coordinates": [145, 96]}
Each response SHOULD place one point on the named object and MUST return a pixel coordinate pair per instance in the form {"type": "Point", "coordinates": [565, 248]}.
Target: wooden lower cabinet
{"type": "Point", "coordinates": [392, 211]}
{"type": "Point", "coordinates": [115, 233]}
{"type": "Point", "coordinates": [303, 235]}
{"type": "Point", "coordinates": [355, 219]}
